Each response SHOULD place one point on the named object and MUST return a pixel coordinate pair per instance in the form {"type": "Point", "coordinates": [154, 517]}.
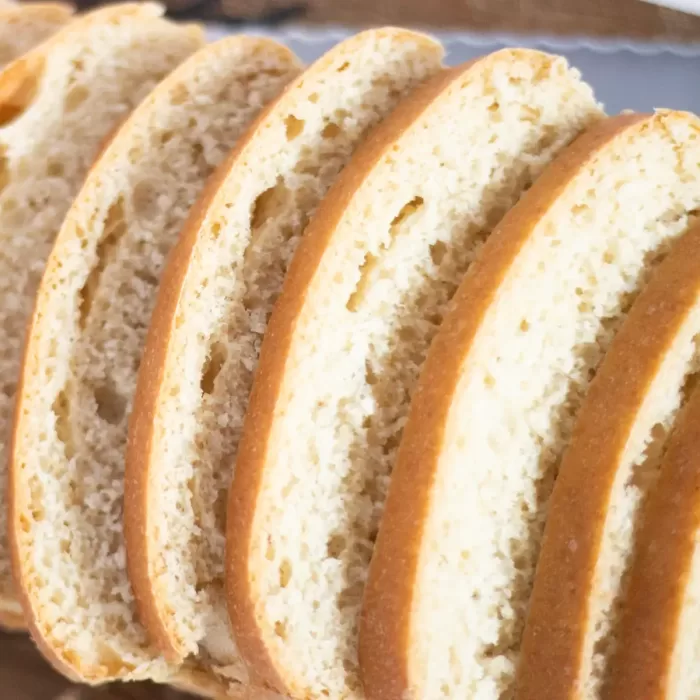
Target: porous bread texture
{"type": "Point", "coordinates": [57, 105]}
{"type": "Point", "coordinates": [620, 493]}
{"type": "Point", "coordinates": [635, 479]}
{"type": "Point", "coordinates": [216, 296]}
{"type": "Point", "coordinates": [363, 299]}
{"type": "Point", "coordinates": [84, 347]}
{"type": "Point", "coordinates": [546, 313]}
{"type": "Point", "coordinates": [24, 26]}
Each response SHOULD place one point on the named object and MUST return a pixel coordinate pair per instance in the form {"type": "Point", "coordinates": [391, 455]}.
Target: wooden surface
{"type": "Point", "coordinates": [631, 18]}
{"type": "Point", "coordinates": [23, 674]}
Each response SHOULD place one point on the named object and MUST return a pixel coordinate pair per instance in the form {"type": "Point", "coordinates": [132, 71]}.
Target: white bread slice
{"type": "Point", "coordinates": [363, 298]}
{"type": "Point", "coordinates": [216, 295]}
{"type": "Point", "coordinates": [597, 507]}
{"type": "Point", "coordinates": [23, 26]}
{"type": "Point", "coordinates": [657, 648]}
{"type": "Point", "coordinates": [455, 559]}
{"type": "Point", "coordinates": [57, 105]}
{"type": "Point", "coordinates": [84, 347]}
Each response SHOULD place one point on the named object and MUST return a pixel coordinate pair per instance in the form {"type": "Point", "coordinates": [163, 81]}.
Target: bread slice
{"type": "Point", "coordinates": [211, 312]}
{"type": "Point", "coordinates": [57, 105]}
{"type": "Point", "coordinates": [597, 507]}
{"type": "Point", "coordinates": [84, 347]}
{"type": "Point", "coordinates": [657, 637]}
{"type": "Point", "coordinates": [363, 298]}
{"type": "Point", "coordinates": [24, 26]}
{"type": "Point", "coordinates": [455, 559]}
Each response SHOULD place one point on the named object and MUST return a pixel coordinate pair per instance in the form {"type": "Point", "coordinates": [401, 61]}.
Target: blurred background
{"type": "Point", "coordinates": [636, 54]}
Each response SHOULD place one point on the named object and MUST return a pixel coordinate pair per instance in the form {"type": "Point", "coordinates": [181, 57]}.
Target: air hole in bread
{"type": "Point", "coordinates": [494, 106]}
{"type": "Point", "coordinates": [370, 261]}
{"type": "Point", "coordinates": [75, 97]}
{"type": "Point", "coordinates": [344, 67]}
{"type": "Point", "coordinates": [270, 550]}
{"type": "Point", "coordinates": [114, 228]}
{"type": "Point", "coordinates": [313, 97]}
{"type": "Point", "coordinates": [64, 432]}
{"type": "Point", "coordinates": [437, 252]}
{"type": "Point", "coordinates": [281, 629]}
{"type": "Point", "coordinates": [146, 276]}
{"type": "Point", "coordinates": [144, 199]}
{"type": "Point", "coordinates": [11, 204]}
{"type": "Point", "coordinates": [331, 130]}
{"type": "Point", "coordinates": [285, 573]}
{"type": "Point", "coordinates": [165, 136]}
{"type": "Point", "coordinates": [23, 80]}
{"type": "Point", "coordinates": [336, 546]}
{"type": "Point", "coordinates": [293, 127]}
{"type": "Point", "coordinates": [54, 168]}
{"type": "Point", "coordinates": [212, 368]}
{"type": "Point", "coordinates": [111, 405]}
{"type": "Point", "coordinates": [271, 203]}
{"type": "Point", "coordinates": [524, 325]}
{"type": "Point", "coordinates": [530, 114]}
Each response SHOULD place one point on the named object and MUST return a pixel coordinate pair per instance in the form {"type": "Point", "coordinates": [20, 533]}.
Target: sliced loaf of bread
{"type": "Point", "coordinates": [23, 26]}
{"type": "Point", "coordinates": [84, 346]}
{"type": "Point", "coordinates": [597, 523]}
{"type": "Point", "coordinates": [57, 105]}
{"type": "Point", "coordinates": [454, 565]}
{"type": "Point", "coordinates": [216, 295]}
{"type": "Point", "coordinates": [364, 297]}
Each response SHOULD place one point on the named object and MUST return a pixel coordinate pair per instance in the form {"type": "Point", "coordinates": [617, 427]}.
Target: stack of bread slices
{"type": "Point", "coordinates": [368, 379]}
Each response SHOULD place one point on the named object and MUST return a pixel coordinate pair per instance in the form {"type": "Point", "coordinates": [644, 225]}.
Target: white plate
{"type": "Point", "coordinates": [640, 76]}
{"type": "Point", "coordinates": [691, 6]}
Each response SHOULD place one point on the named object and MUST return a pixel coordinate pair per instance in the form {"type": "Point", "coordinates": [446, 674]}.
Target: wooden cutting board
{"type": "Point", "coordinates": [24, 675]}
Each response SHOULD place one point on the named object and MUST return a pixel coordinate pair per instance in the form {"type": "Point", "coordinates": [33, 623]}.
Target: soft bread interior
{"type": "Point", "coordinates": [522, 381]}
{"type": "Point", "coordinates": [367, 293]}
{"type": "Point", "coordinates": [240, 247]}
{"type": "Point", "coordinates": [93, 309]}
{"type": "Point", "coordinates": [59, 103]}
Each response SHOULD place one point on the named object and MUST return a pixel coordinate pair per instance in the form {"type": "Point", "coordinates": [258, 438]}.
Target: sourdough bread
{"type": "Point", "coordinates": [24, 26]}
{"type": "Point", "coordinates": [455, 559]}
{"type": "Point", "coordinates": [211, 313]}
{"type": "Point", "coordinates": [363, 299]}
{"type": "Point", "coordinates": [84, 347]}
{"type": "Point", "coordinates": [597, 507]}
{"type": "Point", "coordinates": [57, 105]}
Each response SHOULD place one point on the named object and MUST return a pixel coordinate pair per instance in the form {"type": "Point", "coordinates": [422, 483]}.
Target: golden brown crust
{"type": "Point", "coordinates": [16, 493]}
{"type": "Point", "coordinates": [139, 518]}
{"type": "Point", "coordinates": [551, 658]}
{"type": "Point", "coordinates": [660, 576]}
{"type": "Point", "coordinates": [385, 629]}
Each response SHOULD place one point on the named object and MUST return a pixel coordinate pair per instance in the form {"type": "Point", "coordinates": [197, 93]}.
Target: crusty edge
{"type": "Point", "coordinates": [648, 634]}
{"type": "Point", "coordinates": [156, 357]}
{"type": "Point", "coordinates": [386, 623]}
{"type": "Point", "coordinates": [551, 659]}
{"type": "Point", "coordinates": [16, 501]}
{"type": "Point", "coordinates": [139, 512]}
{"type": "Point", "coordinates": [258, 433]}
